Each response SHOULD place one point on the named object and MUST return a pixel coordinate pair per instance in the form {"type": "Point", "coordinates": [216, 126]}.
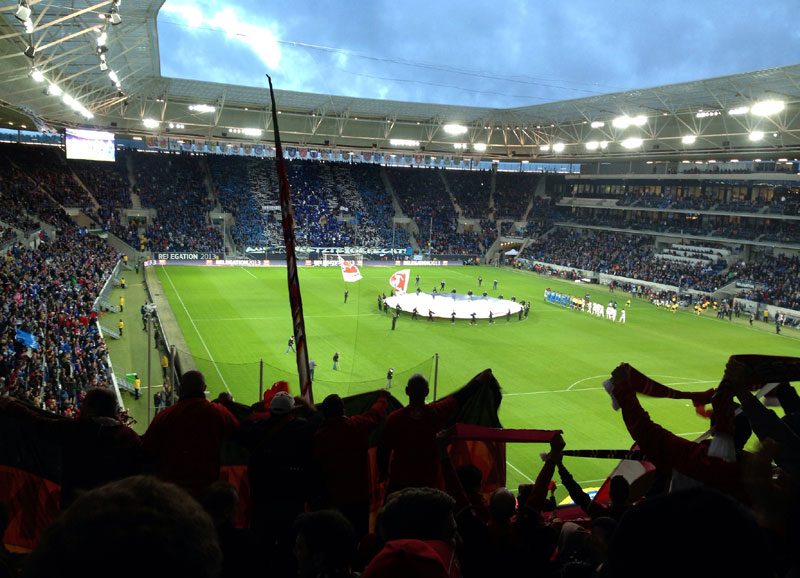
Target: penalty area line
{"type": "Point", "coordinates": [520, 472]}
{"type": "Point", "coordinates": [248, 272]}
{"type": "Point", "coordinates": [210, 357]}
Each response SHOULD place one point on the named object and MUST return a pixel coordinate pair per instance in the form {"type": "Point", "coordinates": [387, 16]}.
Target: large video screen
{"type": "Point", "coordinates": [90, 145]}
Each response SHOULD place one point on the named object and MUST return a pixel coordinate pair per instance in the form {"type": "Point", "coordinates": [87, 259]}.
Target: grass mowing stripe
{"type": "Point", "coordinates": [210, 357]}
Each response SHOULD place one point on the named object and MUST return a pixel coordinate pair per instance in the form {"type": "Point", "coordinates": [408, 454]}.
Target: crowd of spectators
{"type": "Point", "coordinates": [48, 293]}
{"type": "Point", "coordinates": [471, 191]}
{"type": "Point", "coordinates": [317, 205]}
{"type": "Point", "coordinates": [624, 255]}
{"type": "Point", "coordinates": [774, 279]}
{"type": "Point", "coordinates": [309, 480]}
{"type": "Point", "coordinates": [175, 185]}
{"type": "Point", "coordinates": [47, 168]}
{"type": "Point", "coordinates": [247, 189]}
{"type": "Point", "coordinates": [423, 197]}
{"type": "Point", "coordinates": [512, 194]}
{"type": "Point", "coordinates": [24, 204]}
{"type": "Point", "coordinates": [378, 210]}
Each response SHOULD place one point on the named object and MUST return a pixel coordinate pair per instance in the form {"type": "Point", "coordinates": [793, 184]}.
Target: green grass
{"type": "Point", "coordinates": [550, 366]}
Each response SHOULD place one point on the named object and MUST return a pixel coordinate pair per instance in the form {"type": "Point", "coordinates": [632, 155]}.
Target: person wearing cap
{"type": "Point", "coordinates": [184, 440]}
{"type": "Point", "coordinates": [281, 468]}
{"type": "Point", "coordinates": [341, 446]}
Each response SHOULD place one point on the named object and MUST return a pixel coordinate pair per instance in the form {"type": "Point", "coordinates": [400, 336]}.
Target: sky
{"type": "Point", "coordinates": [503, 55]}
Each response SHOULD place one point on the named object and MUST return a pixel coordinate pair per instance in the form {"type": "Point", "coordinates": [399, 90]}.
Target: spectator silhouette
{"type": "Point", "coordinates": [185, 439]}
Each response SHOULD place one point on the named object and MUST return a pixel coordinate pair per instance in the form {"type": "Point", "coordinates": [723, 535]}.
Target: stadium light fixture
{"type": "Point", "coordinates": [603, 144]}
{"type": "Point", "coordinates": [459, 146]}
{"type": "Point", "coordinates": [30, 51]}
{"type": "Point", "coordinates": [707, 113]}
{"type": "Point", "coordinates": [558, 147]}
{"type": "Point", "coordinates": [23, 12]}
{"type": "Point", "coordinates": [113, 15]}
{"type": "Point", "coordinates": [37, 75]}
{"type": "Point", "coordinates": [756, 135]}
{"type": "Point", "coordinates": [767, 107]}
{"type": "Point", "coordinates": [632, 143]}
{"type": "Point", "coordinates": [625, 121]}
{"type": "Point", "coordinates": [202, 108]}
{"type": "Point", "coordinates": [592, 145]}
{"type": "Point", "coordinates": [739, 110]}
{"type": "Point", "coordinates": [402, 142]}
{"type": "Point", "coordinates": [103, 63]}
{"type": "Point", "coordinates": [479, 147]}
{"type": "Point", "coordinates": [101, 40]}
{"type": "Point", "coordinates": [544, 148]}
{"type": "Point", "coordinates": [454, 129]}
{"type": "Point", "coordinates": [113, 76]}
{"type": "Point", "coordinates": [598, 124]}
{"type": "Point", "coordinates": [28, 25]}
{"type": "Point", "coordinates": [151, 123]}
{"type": "Point", "coordinates": [53, 90]}
{"type": "Point", "coordinates": [689, 139]}
{"type": "Point", "coordinates": [251, 131]}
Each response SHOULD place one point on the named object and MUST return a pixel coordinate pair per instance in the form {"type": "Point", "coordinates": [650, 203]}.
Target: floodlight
{"type": "Point", "coordinates": [544, 148]}
{"type": "Point", "coordinates": [598, 124]}
{"type": "Point", "coordinates": [103, 65]}
{"type": "Point", "coordinates": [53, 90]}
{"type": "Point", "coordinates": [454, 129]}
{"type": "Point", "coordinates": [625, 121]}
{"type": "Point", "coordinates": [101, 40]}
{"type": "Point", "coordinates": [756, 135]}
{"type": "Point", "coordinates": [202, 108]}
{"type": "Point", "coordinates": [113, 76]}
{"type": "Point", "coordinates": [592, 145]}
{"type": "Point", "coordinates": [558, 147]}
{"type": "Point", "coordinates": [28, 25]}
{"type": "Point", "coordinates": [402, 142]}
{"type": "Point", "coordinates": [479, 147]}
{"type": "Point", "coordinates": [767, 107]}
{"type": "Point", "coordinates": [632, 143]}
{"type": "Point", "coordinates": [603, 144]}
{"type": "Point", "coordinates": [36, 75]}
{"type": "Point", "coordinates": [150, 123]}
{"type": "Point", "coordinates": [102, 50]}
{"type": "Point", "coordinates": [30, 51]}
{"type": "Point", "coordinates": [23, 12]}
{"type": "Point", "coordinates": [689, 139]}
{"type": "Point", "coordinates": [739, 110]}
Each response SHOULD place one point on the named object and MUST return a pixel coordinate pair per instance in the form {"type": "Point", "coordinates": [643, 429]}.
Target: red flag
{"type": "Point", "coordinates": [287, 220]}
{"type": "Point", "coordinates": [399, 280]}
{"type": "Point", "coordinates": [350, 272]}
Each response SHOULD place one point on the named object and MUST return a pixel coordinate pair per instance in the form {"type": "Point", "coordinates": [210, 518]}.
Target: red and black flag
{"type": "Point", "coordinates": [287, 220]}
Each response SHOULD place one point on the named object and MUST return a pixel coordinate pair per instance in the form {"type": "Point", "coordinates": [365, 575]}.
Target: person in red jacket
{"type": "Point", "coordinates": [341, 446]}
{"type": "Point", "coordinates": [407, 452]}
{"type": "Point", "coordinates": [185, 438]}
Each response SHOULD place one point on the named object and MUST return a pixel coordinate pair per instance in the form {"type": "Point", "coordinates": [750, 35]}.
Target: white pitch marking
{"type": "Point", "coordinates": [584, 379]}
{"type": "Point", "coordinates": [520, 472]}
{"type": "Point", "coordinates": [248, 272]}
{"type": "Point", "coordinates": [595, 388]}
{"type": "Point", "coordinates": [210, 357]}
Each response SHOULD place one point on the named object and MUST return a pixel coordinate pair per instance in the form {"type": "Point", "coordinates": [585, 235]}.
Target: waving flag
{"type": "Point", "coordinates": [349, 271]}
{"type": "Point", "coordinates": [400, 280]}
{"type": "Point", "coordinates": [27, 339]}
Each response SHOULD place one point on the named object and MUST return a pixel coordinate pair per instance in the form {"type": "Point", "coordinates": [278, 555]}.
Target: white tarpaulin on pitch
{"type": "Point", "coordinates": [444, 304]}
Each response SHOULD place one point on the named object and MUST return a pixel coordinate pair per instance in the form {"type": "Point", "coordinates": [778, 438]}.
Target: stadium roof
{"type": "Point", "coordinates": [65, 38]}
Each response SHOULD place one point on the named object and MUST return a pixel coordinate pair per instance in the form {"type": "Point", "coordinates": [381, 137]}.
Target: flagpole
{"type": "Point", "coordinates": [287, 220]}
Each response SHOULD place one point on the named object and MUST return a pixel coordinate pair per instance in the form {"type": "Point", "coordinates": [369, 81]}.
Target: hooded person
{"type": "Point", "coordinates": [184, 440]}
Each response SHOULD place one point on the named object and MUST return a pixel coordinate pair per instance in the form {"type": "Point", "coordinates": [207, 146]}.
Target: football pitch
{"type": "Point", "coordinates": [550, 365]}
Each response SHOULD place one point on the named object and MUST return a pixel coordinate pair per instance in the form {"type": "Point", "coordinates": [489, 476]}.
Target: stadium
{"type": "Point", "coordinates": [652, 234]}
